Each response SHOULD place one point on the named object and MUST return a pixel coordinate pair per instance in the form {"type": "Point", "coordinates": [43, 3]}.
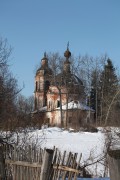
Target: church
{"type": "Point", "coordinates": [60, 100]}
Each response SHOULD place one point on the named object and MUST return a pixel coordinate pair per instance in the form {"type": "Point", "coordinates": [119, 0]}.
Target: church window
{"type": "Point", "coordinates": [58, 103]}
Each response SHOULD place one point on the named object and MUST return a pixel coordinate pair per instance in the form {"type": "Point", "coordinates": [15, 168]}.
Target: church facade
{"type": "Point", "coordinates": [60, 100]}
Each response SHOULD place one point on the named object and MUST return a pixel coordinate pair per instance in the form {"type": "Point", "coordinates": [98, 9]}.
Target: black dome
{"type": "Point", "coordinates": [68, 79]}
{"type": "Point", "coordinates": [47, 70]}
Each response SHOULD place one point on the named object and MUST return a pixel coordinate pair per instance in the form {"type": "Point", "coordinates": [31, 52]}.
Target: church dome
{"type": "Point", "coordinates": [70, 82]}
{"type": "Point", "coordinates": [68, 79]}
{"type": "Point", "coordinates": [44, 66]}
{"type": "Point", "coordinates": [47, 70]}
{"type": "Point", "coordinates": [67, 53]}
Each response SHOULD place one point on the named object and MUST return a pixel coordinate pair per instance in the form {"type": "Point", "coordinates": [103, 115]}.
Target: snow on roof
{"type": "Point", "coordinates": [43, 109]}
{"type": "Point", "coordinates": [76, 105]}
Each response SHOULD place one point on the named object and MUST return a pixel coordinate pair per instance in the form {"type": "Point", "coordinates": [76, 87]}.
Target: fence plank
{"type": "Point", "coordinates": [67, 164]}
{"type": "Point", "coordinates": [65, 168]}
{"type": "Point", "coordinates": [73, 163]}
{"type": "Point", "coordinates": [61, 163]}
{"type": "Point", "coordinates": [57, 164]}
{"type": "Point", "coordinates": [76, 174]}
{"type": "Point", "coordinates": [22, 163]}
{"type": "Point", "coordinates": [46, 166]}
{"type": "Point", "coordinates": [55, 159]}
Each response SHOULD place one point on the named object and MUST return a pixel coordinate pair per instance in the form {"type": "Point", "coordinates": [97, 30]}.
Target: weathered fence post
{"type": "Point", "coordinates": [46, 168]}
{"type": "Point", "coordinates": [2, 164]}
{"type": "Point", "coordinates": [114, 164]}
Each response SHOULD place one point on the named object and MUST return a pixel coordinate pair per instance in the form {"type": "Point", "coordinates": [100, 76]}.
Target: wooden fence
{"type": "Point", "coordinates": [30, 163]}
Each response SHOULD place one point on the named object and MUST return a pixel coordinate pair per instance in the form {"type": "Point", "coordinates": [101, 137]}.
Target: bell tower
{"type": "Point", "coordinates": [42, 82]}
{"type": "Point", "coordinates": [67, 54]}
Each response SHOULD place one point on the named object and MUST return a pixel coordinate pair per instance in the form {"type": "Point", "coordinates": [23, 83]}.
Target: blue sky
{"type": "Point", "coordinates": [35, 26]}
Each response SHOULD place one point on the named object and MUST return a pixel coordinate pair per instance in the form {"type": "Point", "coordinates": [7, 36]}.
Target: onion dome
{"type": "Point", "coordinates": [44, 60]}
{"type": "Point", "coordinates": [67, 53]}
{"type": "Point", "coordinates": [45, 57]}
{"type": "Point", "coordinates": [44, 66]}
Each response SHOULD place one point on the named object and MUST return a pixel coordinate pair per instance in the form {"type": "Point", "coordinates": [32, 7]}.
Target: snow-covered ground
{"type": "Point", "coordinates": [91, 178]}
{"type": "Point", "coordinates": [91, 145]}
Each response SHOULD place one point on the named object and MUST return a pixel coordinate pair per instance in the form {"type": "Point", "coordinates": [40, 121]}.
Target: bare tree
{"type": "Point", "coordinates": [8, 87]}
{"type": "Point", "coordinates": [5, 52]}
{"type": "Point", "coordinates": [24, 107]}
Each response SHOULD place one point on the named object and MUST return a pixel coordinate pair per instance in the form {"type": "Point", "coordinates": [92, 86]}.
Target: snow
{"type": "Point", "coordinates": [70, 105]}
{"type": "Point", "coordinates": [76, 105]}
{"type": "Point", "coordinates": [91, 145]}
{"type": "Point", "coordinates": [43, 109]}
{"type": "Point", "coordinates": [114, 136]}
{"type": "Point", "coordinates": [91, 179]}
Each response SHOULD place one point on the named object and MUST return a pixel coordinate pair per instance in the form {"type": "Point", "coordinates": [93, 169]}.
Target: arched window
{"type": "Point", "coordinates": [58, 103]}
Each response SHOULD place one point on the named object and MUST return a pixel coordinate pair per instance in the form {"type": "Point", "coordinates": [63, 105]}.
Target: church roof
{"type": "Point", "coordinates": [44, 66]}
{"type": "Point", "coordinates": [67, 79]}
{"type": "Point", "coordinates": [70, 105]}
{"type": "Point", "coordinates": [76, 105]}
{"type": "Point", "coordinates": [47, 70]}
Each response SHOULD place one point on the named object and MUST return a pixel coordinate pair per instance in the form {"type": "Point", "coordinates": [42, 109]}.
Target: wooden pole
{"type": "Point", "coordinates": [46, 168]}
{"type": "Point", "coordinates": [2, 164]}
{"type": "Point", "coordinates": [114, 164]}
